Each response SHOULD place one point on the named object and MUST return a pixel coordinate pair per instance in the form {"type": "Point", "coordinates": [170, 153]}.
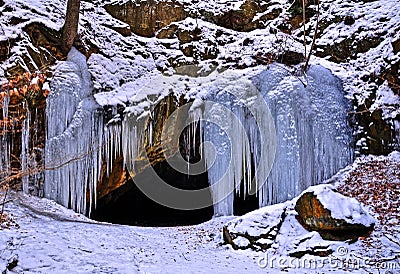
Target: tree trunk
{"type": "Point", "coordinates": [70, 28]}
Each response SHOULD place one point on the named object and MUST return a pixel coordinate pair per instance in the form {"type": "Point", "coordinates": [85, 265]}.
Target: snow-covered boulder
{"type": "Point", "coordinates": [257, 229]}
{"type": "Point", "coordinates": [336, 217]}
{"type": "Point", "coordinates": [330, 217]}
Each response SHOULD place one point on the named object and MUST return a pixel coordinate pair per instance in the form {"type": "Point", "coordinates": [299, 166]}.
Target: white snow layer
{"type": "Point", "coordinates": [260, 221]}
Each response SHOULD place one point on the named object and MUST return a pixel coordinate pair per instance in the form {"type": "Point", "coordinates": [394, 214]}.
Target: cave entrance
{"type": "Point", "coordinates": [243, 204]}
{"type": "Point", "coordinates": [128, 205]}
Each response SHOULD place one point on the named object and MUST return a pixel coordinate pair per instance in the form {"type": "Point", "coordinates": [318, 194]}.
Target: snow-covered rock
{"type": "Point", "coordinates": [337, 217]}
{"type": "Point", "coordinates": [257, 229]}
{"type": "Point", "coordinates": [320, 209]}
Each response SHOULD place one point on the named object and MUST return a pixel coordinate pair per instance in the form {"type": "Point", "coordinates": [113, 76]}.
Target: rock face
{"type": "Point", "coordinates": [333, 215]}
{"type": "Point", "coordinates": [242, 19]}
{"type": "Point", "coordinates": [145, 18]}
{"type": "Point", "coordinates": [5, 47]}
{"type": "Point", "coordinates": [193, 41]}
{"type": "Point", "coordinates": [396, 46]}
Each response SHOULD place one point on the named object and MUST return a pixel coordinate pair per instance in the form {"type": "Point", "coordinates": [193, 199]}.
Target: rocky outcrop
{"type": "Point", "coordinates": [154, 151]}
{"type": "Point", "coordinates": [145, 18]}
{"type": "Point", "coordinates": [349, 47]}
{"type": "Point", "coordinates": [396, 46]}
{"type": "Point", "coordinates": [193, 41]}
{"type": "Point", "coordinates": [45, 49]}
{"type": "Point", "coordinates": [242, 19]}
{"type": "Point", "coordinates": [333, 215]}
{"type": "Point", "coordinates": [378, 134]}
{"type": "Point", "coordinates": [5, 49]}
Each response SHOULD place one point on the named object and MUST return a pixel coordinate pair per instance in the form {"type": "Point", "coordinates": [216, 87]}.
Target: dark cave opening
{"type": "Point", "coordinates": [130, 206]}
{"type": "Point", "coordinates": [244, 204]}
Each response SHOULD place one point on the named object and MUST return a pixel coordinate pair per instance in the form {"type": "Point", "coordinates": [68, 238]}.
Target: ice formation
{"type": "Point", "coordinates": [270, 135]}
{"type": "Point", "coordinates": [12, 136]}
{"type": "Point", "coordinates": [236, 120]}
{"type": "Point", "coordinates": [74, 137]}
{"type": "Point", "coordinates": [5, 143]}
{"type": "Point", "coordinates": [25, 151]}
{"type": "Point", "coordinates": [313, 136]}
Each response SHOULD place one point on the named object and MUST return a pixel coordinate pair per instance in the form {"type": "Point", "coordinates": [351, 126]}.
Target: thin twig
{"type": "Point", "coordinates": [314, 38]}
{"type": "Point", "coordinates": [392, 240]}
{"type": "Point", "coordinates": [304, 28]}
{"type": "Point", "coordinates": [6, 202]}
{"type": "Point", "coordinates": [3, 203]}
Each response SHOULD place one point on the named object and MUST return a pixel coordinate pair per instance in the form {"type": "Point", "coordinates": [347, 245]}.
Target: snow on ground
{"type": "Point", "coordinates": [51, 239]}
{"type": "Point", "coordinates": [47, 238]}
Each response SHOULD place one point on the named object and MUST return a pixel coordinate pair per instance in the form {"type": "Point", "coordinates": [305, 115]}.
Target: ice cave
{"type": "Point", "coordinates": [223, 144]}
{"type": "Point", "coordinates": [256, 139]}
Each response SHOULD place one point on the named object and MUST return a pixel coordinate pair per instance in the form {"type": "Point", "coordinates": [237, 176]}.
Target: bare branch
{"type": "Point", "coordinates": [314, 38]}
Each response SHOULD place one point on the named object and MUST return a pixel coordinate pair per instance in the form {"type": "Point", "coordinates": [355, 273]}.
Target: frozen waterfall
{"type": "Point", "coordinates": [313, 139]}
{"type": "Point", "coordinates": [270, 135]}
{"type": "Point", "coordinates": [74, 136]}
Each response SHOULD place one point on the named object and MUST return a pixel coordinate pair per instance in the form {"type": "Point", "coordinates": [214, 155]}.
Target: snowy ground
{"type": "Point", "coordinates": [51, 239]}
{"type": "Point", "coordinates": [47, 238]}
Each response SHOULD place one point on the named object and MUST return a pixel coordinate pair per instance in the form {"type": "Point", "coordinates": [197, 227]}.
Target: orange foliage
{"type": "Point", "coordinates": [23, 85]}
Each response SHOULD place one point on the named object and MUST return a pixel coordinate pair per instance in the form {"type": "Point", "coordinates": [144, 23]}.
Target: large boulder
{"type": "Point", "coordinates": [333, 215]}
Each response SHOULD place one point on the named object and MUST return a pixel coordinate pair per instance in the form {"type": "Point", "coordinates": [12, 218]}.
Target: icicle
{"type": "Point", "coordinates": [396, 128]}
{"type": "Point", "coordinates": [5, 142]}
{"type": "Point", "coordinates": [25, 151]}
{"type": "Point", "coordinates": [226, 165]}
{"type": "Point", "coordinates": [112, 144]}
{"type": "Point", "coordinates": [133, 140]}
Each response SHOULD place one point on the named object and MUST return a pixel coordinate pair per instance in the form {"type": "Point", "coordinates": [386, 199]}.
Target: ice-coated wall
{"type": "Point", "coordinates": [313, 139]}
{"type": "Point", "coordinates": [269, 131]}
